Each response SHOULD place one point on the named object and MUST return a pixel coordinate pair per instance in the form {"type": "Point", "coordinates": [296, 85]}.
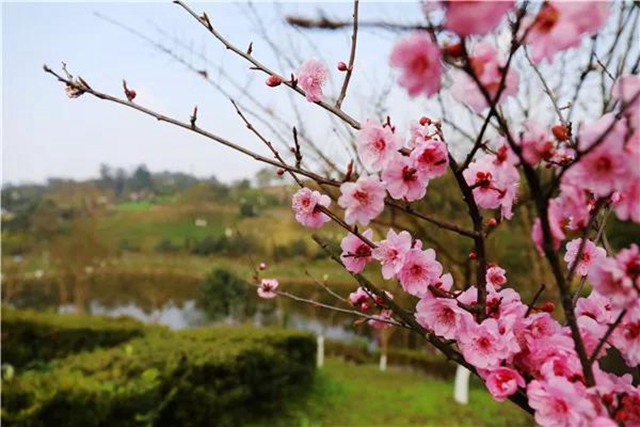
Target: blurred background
{"type": "Point", "coordinates": [107, 213]}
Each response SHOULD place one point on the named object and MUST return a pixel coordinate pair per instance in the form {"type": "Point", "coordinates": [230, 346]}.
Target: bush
{"type": "Point", "coordinates": [166, 246]}
{"type": "Point", "coordinates": [29, 337]}
{"type": "Point", "coordinates": [232, 246]}
{"type": "Point", "coordinates": [222, 294]}
{"type": "Point", "coordinates": [218, 376]}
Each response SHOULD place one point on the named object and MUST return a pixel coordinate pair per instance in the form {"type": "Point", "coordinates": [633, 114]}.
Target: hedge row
{"type": "Point", "coordinates": [208, 376]}
{"type": "Point", "coordinates": [30, 337]}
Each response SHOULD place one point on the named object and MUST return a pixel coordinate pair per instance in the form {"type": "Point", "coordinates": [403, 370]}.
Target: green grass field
{"type": "Point", "coordinates": [359, 395]}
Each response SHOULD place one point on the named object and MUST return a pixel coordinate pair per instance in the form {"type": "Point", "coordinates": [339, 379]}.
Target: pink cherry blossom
{"type": "Point", "coordinates": [575, 206]}
{"type": "Point", "coordinates": [559, 25]}
{"type": "Point", "coordinates": [441, 315]}
{"type": "Point", "coordinates": [503, 382]}
{"type": "Point", "coordinates": [475, 17]}
{"type": "Point", "coordinates": [403, 180]}
{"type": "Point", "coordinates": [420, 269]}
{"type": "Point", "coordinates": [305, 204]}
{"type": "Point", "coordinates": [482, 345]}
{"type": "Point", "coordinates": [391, 252]}
{"type": "Point", "coordinates": [591, 254]}
{"type": "Point", "coordinates": [627, 205]}
{"type": "Point", "coordinates": [536, 144]}
{"type": "Point", "coordinates": [488, 66]}
{"type": "Point", "coordinates": [359, 296]}
{"type": "Point", "coordinates": [629, 261]}
{"type": "Point", "coordinates": [556, 224]}
{"type": "Point", "coordinates": [558, 402]}
{"type": "Point", "coordinates": [595, 306]}
{"type": "Point", "coordinates": [381, 320]}
{"type": "Point", "coordinates": [496, 276]}
{"type": "Point", "coordinates": [627, 89]}
{"type": "Point", "coordinates": [362, 200]}
{"type": "Point", "coordinates": [430, 157]}
{"type": "Point", "coordinates": [376, 145]}
{"type": "Point", "coordinates": [609, 279]}
{"type": "Point", "coordinates": [356, 253]}
{"type": "Point", "coordinates": [267, 288]}
{"type": "Point", "coordinates": [419, 59]}
{"type": "Point", "coordinates": [312, 75]}
{"type": "Point", "coordinates": [626, 337]}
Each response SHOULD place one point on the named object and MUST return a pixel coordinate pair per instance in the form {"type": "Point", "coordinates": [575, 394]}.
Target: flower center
{"type": "Point", "coordinates": [419, 64]}
{"type": "Point", "coordinates": [408, 173]}
{"type": "Point", "coordinates": [380, 144]}
{"type": "Point", "coordinates": [603, 164]}
{"type": "Point", "coordinates": [361, 196]}
{"type": "Point", "coordinates": [363, 251]}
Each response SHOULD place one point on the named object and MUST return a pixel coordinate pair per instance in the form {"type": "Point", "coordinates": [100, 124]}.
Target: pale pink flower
{"type": "Point", "coordinates": [627, 88]}
{"type": "Point", "coordinates": [403, 180]}
{"type": "Point", "coordinates": [376, 145]}
{"type": "Point", "coordinates": [362, 200]}
{"type": "Point", "coordinates": [595, 306]}
{"type": "Point", "coordinates": [444, 283]}
{"type": "Point", "coordinates": [420, 269]}
{"type": "Point", "coordinates": [556, 224]}
{"type": "Point", "coordinates": [482, 345]}
{"type": "Point", "coordinates": [609, 279]}
{"type": "Point", "coordinates": [591, 333]}
{"type": "Point", "coordinates": [627, 204]}
{"type": "Point", "coordinates": [267, 288]}
{"type": "Point", "coordinates": [356, 253]}
{"type": "Point", "coordinates": [503, 382]}
{"type": "Point", "coordinates": [536, 144]}
{"type": "Point", "coordinates": [626, 337]}
{"type": "Point", "coordinates": [488, 66]}
{"type": "Point", "coordinates": [391, 252]}
{"type": "Point", "coordinates": [305, 204]}
{"type": "Point", "coordinates": [431, 158]}
{"type": "Point", "coordinates": [559, 25]}
{"type": "Point", "coordinates": [575, 206]}
{"type": "Point", "coordinates": [591, 254]}
{"type": "Point", "coordinates": [381, 320]}
{"type": "Point", "coordinates": [419, 59]}
{"type": "Point", "coordinates": [605, 168]}
{"type": "Point", "coordinates": [558, 402]}
{"type": "Point", "coordinates": [496, 276]}
{"type": "Point", "coordinates": [475, 17]}
{"type": "Point", "coordinates": [311, 76]}
{"type": "Point", "coordinates": [360, 299]}
{"type": "Point", "coordinates": [440, 315]}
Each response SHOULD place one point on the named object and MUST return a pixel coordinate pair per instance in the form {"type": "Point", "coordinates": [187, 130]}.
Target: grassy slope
{"type": "Point", "coordinates": [360, 395]}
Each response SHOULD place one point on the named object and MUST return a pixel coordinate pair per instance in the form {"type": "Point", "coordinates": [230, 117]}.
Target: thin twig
{"type": "Point", "coordinates": [352, 56]}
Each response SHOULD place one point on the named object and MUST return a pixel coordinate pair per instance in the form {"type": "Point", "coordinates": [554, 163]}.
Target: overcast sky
{"type": "Point", "coordinates": [45, 134]}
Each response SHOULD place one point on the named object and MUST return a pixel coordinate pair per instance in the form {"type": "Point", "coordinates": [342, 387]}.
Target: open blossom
{"type": "Point", "coordinates": [420, 269]}
{"type": "Point", "coordinates": [591, 254]}
{"type": "Point", "coordinates": [362, 200]}
{"type": "Point", "coordinates": [482, 345]}
{"type": "Point", "coordinates": [360, 299]}
{"type": "Point", "coordinates": [608, 278]}
{"type": "Point", "coordinates": [391, 252]}
{"type": "Point", "coordinates": [496, 276]}
{"type": "Point", "coordinates": [559, 25]}
{"type": "Point", "coordinates": [558, 402]}
{"type": "Point", "coordinates": [488, 66]}
{"type": "Point", "coordinates": [267, 288]}
{"type": "Point", "coordinates": [503, 382]}
{"type": "Point", "coordinates": [440, 315]}
{"type": "Point", "coordinates": [381, 320]}
{"type": "Point", "coordinates": [475, 17]}
{"type": "Point", "coordinates": [356, 253]}
{"type": "Point", "coordinates": [305, 204]}
{"type": "Point", "coordinates": [376, 145]}
{"type": "Point", "coordinates": [556, 224]}
{"type": "Point", "coordinates": [575, 206]}
{"type": "Point", "coordinates": [626, 89]}
{"type": "Point", "coordinates": [595, 306]}
{"type": "Point", "coordinates": [419, 59]}
{"type": "Point", "coordinates": [626, 337]}
{"type": "Point", "coordinates": [431, 158]}
{"type": "Point", "coordinates": [403, 180]}
{"type": "Point", "coordinates": [536, 144]}
{"type": "Point", "coordinates": [312, 75]}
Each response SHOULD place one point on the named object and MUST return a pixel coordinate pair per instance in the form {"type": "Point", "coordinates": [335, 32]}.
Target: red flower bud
{"type": "Point", "coordinates": [425, 120]}
{"type": "Point", "coordinates": [453, 50]}
{"type": "Point", "coordinates": [273, 80]}
{"type": "Point", "coordinates": [280, 172]}
{"type": "Point", "coordinates": [548, 307]}
{"type": "Point", "coordinates": [492, 222]}
{"type": "Point", "coordinates": [473, 255]}
{"type": "Point", "coordinates": [129, 93]}
{"type": "Point", "coordinates": [561, 132]}
{"type": "Point", "coordinates": [342, 66]}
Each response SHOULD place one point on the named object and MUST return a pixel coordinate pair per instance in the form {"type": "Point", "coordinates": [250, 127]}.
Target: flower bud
{"type": "Point", "coordinates": [280, 172]}
{"type": "Point", "coordinates": [453, 50]}
{"type": "Point", "coordinates": [473, 255]}
{"type": "Point", "coordinates": [273, 80]}
{"type": "Point", "coordinates": [548, 307]}
{"type": "Point", "coordinates": [342, 66]}
{"type": "Point", "coordinates": [560, 132]}
{"type": "Point", "coordinates": [492, 222]}
{"type": "Point", "coordinates": [425, 121]}
{"type": "Point", "coordinates": [263, 266]}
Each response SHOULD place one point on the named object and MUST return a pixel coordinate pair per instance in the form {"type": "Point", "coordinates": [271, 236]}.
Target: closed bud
{"type": "Point", "coordinates": [280, 172]}
{"type": "Point", "coordinates": [273, 80]}
{"type": "Point", "coordinates": [492, 222]}
{"type": "Point", "coordinates": [425, 121]}
{"type": "Point", "coordinates": [453, 50]}
{"type": "Point", "coordinates": [342, 66]}
{"type": "Point", "coordinates": [263, 266]}
{"type": "Point", "coordinates": [473, 255]}
{"type": "Point", "coordinates": [560, 132]}
{"type": "Point", "coordinates": [548, 307]}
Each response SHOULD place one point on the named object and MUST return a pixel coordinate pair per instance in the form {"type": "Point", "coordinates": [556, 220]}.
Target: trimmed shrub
{"type": "Point", "coordinates": [213, 376]}
{"type": "Point", "coordinates": [31, 337]}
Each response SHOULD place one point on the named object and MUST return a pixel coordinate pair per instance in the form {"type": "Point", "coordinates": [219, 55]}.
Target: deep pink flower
{"type": "Point", "coordinates": [482, 345]}
{"type": "Point", "coordinates": [305, 205]}
{"type": "Point", "coordinates": [556, 224]}
{"type": "Point", "coordinates": [559, 25]}
{"type": "Point", "coordinates": [403, 180]}
{"type": "Point", "coordinates": [267, 288]}
{"type": "Point", "coordinates": [496, 276]}
{"type": "Point", "coordinates": [362, 200]}
{"type": "Point", "coordinates": [591, 254]}
{"type": "Point", "coordinates": [360, 297]}
{"type": "Point", "coordinates": [626, 337]}
{"type": "Point", "coordinates": [377, 145]}
{"type": "Point", "coordinates": [609, 279]}
{"type": "Point", "coordinates": [440, 315]}
{"type": "Point", "coordinates": [391, 252]}
{"type": "Point", "coordinates": [629, 261]}
{"type": "Point", "coordinates": [312, 75]}
{"type": "Point", "coordinates": [475, 17]}
{"type": "Point", "coordinates": [356, 253]}
{"type": "Point", "coordinates": [558, 402]}
{"type": "Point", "coordinates": [420, 269]}
{"type": "Point", "coordinates": [381, 320]}
{"type": "Point", "coordinates": [595, 306]}
{"type": "Point", "coordinates": [536, 144]}
{"type": "Point", "coordinates": [430, 157]}
{"type": "Point", "coordinates": [419, 59]}
{"type": "Point", "coordinates": [503, 382]}
{"type": "Point", "coordinates": [488, 66]}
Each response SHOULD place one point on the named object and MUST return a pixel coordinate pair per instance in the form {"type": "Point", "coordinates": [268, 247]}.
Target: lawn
{"type": "Point", "coordinates": [345, 394]}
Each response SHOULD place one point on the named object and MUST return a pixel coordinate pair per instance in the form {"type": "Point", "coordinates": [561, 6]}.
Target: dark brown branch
{"type": "Point", "coordinates": [352, 56]}
{"type": "Point", "coordinates": [606, 336]}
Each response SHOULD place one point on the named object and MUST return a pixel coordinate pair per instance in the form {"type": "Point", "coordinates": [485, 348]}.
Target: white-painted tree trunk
{"type": "Point", "coordinates": [461, 387]}
{"type": "Point", "coordinates": [320, 353]}
{"type": "Point", "coordinates": [383, 362]}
